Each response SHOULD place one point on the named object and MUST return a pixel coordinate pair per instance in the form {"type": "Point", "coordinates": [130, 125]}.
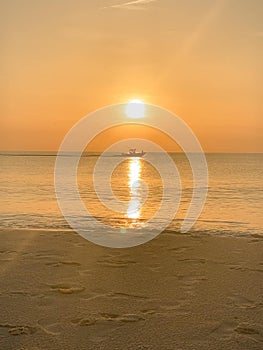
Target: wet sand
{"type": "Point", "coordinates": [177, 292]}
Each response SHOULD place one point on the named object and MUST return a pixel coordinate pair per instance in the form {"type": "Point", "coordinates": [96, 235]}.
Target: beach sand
{"type": "Point", "coordinates": [177, 292]}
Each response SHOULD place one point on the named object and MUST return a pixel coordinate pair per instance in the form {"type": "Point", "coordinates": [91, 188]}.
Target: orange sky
{"type": "Point", "coordinates": [62, 59]}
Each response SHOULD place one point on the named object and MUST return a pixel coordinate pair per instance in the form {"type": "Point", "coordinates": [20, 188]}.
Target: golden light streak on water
{"type": "Point", "coordinates": [134, 177]}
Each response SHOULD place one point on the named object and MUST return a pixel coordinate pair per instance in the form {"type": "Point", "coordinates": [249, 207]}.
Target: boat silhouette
{"type": "Point", "coordinates": [132, 153]}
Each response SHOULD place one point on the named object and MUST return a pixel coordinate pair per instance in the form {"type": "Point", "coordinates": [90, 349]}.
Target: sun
{"type": "Point", "coordinates": [135, 109]}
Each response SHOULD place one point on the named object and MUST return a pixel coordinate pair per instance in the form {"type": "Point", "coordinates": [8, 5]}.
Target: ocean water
{"type": "Point", "coordinates": [233, 206]}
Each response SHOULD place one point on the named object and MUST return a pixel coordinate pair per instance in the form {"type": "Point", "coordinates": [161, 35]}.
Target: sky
{"type": "Point", "coordinates": [63, 59]}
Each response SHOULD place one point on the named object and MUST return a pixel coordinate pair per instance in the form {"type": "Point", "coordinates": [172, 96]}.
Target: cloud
{"type": "Point", "coordinates": [132, 5]}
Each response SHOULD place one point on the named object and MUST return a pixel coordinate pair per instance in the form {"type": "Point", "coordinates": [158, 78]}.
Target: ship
{"type": "Point", "coordinates": [132, 153]}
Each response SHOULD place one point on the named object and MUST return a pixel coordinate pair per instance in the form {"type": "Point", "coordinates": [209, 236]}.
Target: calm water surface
{"type": "Point", "coordinates": [233, 207]}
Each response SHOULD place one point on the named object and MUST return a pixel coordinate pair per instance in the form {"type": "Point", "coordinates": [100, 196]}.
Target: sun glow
{"type": "Point", "coordinates": [135, 109]}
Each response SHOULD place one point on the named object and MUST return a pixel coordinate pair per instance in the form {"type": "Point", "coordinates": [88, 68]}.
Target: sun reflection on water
{"type": "Point", "coordinates": [134, 178]}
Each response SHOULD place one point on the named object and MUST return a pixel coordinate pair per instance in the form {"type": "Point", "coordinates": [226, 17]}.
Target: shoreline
{"type": "Point", "coordinates": [236, 235]}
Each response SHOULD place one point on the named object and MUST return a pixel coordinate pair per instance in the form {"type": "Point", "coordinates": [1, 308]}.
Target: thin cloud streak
{"type": "Point", "coordinates": [132, 5]}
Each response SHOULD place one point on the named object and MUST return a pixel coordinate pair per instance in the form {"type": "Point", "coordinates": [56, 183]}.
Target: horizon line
{"type": "Point", "coordinates": [54, 153]}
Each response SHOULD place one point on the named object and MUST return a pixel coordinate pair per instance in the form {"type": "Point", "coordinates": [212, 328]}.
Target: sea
{"type": "Point", "coordinates": [233, 205]}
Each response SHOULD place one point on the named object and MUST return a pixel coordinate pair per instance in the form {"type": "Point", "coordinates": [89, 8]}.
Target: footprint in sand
{"type": "Point", "coordinates": [166, 309]}
{"type": "Point", "coordinates": [107, 318]}
{"type": "Point", "coordinates": [102, 325]}
{"type": "Point", "coordinates": [18, 330]}
{"type": "Point", "coordinates": [66, 288]}
{"type": "Point", "coordinates": [61, 263]}
{"type": "Point", "coordinates": [149, 311]}
{"type": "Point", "coordinates": [230, 329]}
{"type": "Point", "coordinates": [117, 262]}
{"type": "Point", "coordinates": [252, 331]}
{"type": "Point", "coordinates": [120, 295]}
